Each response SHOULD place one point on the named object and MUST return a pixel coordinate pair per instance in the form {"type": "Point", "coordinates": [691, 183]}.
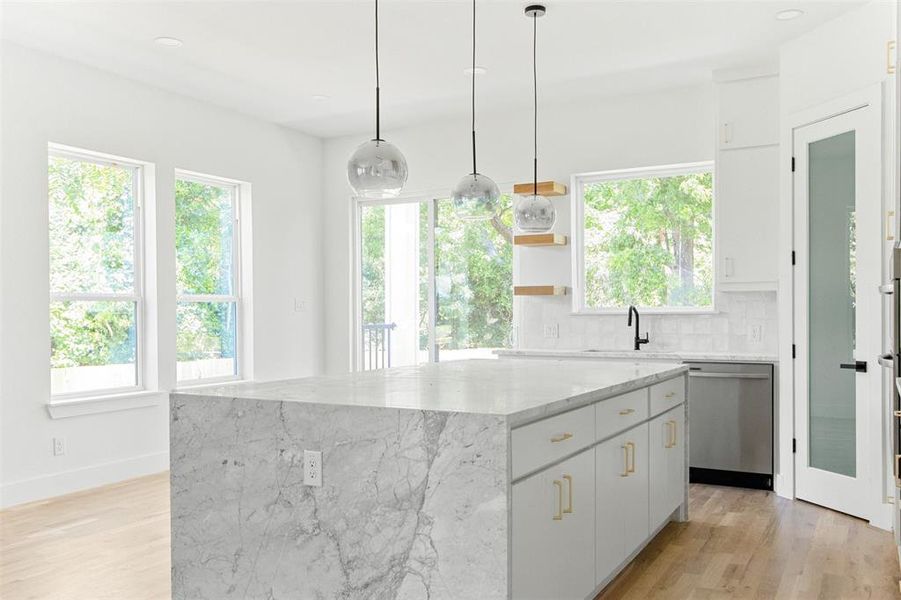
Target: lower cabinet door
{"type": "Point", "coordinates": [622, 498]}
{"type": "Point", "coordinates": [553, 531]}
{"type": "Point", "coordinates": [667, 465]}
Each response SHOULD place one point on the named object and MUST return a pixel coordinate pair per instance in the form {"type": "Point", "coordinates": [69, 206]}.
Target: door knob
{"type": "Point", "coordinates": [859, 365]}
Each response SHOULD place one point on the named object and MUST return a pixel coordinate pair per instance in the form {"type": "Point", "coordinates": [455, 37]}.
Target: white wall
{"type": "Point", "coordinates": [662, 127]}
{"type": "Point", "coordinates": [48, 99]}
{"type": "Point", "coordinates": [842, 56]}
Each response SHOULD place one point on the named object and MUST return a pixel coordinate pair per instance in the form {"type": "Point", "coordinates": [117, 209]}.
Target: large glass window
{"type": "Point", "coordinates": [432, 287]}
{"type": "Point", "coordinates": [95, 274]}
{"type": "Point", "coordinates": [207, 278]}
{"type": "Point", "coordinates": [645, 237]}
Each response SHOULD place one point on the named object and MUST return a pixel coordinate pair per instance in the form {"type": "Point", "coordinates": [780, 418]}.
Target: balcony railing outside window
{"type": "Point", "coordinates": [377, 345]}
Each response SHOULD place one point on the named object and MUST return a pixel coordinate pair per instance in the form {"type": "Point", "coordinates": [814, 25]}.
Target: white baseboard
{"type": "Point", "coordinates": [66, 482]}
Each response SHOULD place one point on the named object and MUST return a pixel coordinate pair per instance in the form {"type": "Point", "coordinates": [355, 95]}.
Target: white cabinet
{"type": "Point", "coordinates": [747, 182]}
{"type": "Point", "coordinates": [553, 531]}
{"type": "Point", "coordinates": [622, 498]}
{"type": "Point", "coordinates": [667, 463]}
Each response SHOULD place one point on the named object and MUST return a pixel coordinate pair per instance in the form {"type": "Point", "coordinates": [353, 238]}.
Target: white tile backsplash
{"type": "Point", "coordinates": [726, 330]}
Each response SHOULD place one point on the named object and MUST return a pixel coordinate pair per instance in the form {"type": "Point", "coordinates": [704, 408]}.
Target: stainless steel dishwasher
{"type": "Point", "coordinates": [731, 416]}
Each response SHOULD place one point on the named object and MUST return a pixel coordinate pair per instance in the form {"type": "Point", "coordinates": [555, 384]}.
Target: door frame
{"type": "Point", "coordinates": [785, 480]}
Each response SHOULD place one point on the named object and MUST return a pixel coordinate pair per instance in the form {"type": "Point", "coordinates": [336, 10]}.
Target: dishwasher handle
{"type": "Point", "coordinates": [728, 375]}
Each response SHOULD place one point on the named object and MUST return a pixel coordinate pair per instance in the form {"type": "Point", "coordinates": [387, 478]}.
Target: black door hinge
{"type": "Point", "coordinates": [794, 446]}
{"type": "Point", "coordinates": [793, 257]}
{"type": "Point", "coordinates": [794, 351]}
{"type": "Point", "coordinates": [793, 164]}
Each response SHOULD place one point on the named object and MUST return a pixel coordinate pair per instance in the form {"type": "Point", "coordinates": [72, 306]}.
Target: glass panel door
{"type": "Point", "coordinates": [832, 304]}
{"type": "Point", "coordinates": [473, 283]}
{"type": "Point", "coordinates": [394, 285]}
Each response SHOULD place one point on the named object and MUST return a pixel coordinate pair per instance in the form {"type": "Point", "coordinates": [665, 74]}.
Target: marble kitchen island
{"type": "Point", "coordinates": [480, 479]}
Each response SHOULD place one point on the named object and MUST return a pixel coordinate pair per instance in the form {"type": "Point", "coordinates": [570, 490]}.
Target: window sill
{"type": "Point", "coordinates": [92, 405]}
{"type": "Point", "coordinates": [675, 312]}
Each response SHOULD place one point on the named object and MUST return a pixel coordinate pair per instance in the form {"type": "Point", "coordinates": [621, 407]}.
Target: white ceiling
{"type": "Point", "coordinates": [268, 59]}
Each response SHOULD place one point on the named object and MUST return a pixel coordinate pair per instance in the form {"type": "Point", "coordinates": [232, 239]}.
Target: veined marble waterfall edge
{"type": "Point", "coordinates": [413, 503]}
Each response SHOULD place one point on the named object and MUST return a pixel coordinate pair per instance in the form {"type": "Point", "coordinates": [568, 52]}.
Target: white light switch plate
{"type": "Point", "coordinates": [312, 468]}
{"type": "Point", "coordinates": [552, 331]}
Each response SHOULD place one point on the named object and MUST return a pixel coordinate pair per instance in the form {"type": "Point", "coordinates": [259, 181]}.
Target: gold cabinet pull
{"type": "Point", "coordinates": [561, 438]}
{"type": "Point", "coordinates": [625, 472]}
{"type": "Point", "coordinates": [631, 467]}
{"type": "Point", "coordinates": [897, 413]}
{"type": "Point", "coordinates": [559, 514]}
{"type": "Point", "coordinates": [627, 411]}
{"type": "Point", "coordinates": [889, 62]}
{"type": "Point", "coordinates": [669, 394]}
{"type": "Point", "coordinates": [671, 434]}
{"type": "Point", "coordinates": [569, 504]}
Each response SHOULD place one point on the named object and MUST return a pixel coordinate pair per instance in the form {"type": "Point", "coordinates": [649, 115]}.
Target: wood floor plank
{"type": "Point", "coordinates": [112, 543]}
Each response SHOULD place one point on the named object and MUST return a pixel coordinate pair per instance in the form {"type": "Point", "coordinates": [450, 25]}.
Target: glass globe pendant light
{"type": "Point", "coordinates": [475, 197]}
{"type": "Point", "coordinates": [534, 213]}
{"type": "Point", "coordinates": [377, 169]}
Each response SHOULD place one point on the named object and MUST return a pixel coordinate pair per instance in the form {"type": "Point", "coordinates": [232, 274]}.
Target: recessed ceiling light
{"type": "Point", "coordinates": [789, 14]}
{"type": "Point", "coordinates": [319, 97]}
{"type": "Point", "coordinates": [168, 41]}
{"type": "Point", "coordinates": [477, 70]}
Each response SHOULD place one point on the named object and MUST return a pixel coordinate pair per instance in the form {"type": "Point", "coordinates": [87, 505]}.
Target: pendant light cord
{"type": "Point", "coordinates": [535, 103]}
{"type": "Point", "coordinates": [378, 132]}
{"type": "Point", "coordinates": [474, 170]}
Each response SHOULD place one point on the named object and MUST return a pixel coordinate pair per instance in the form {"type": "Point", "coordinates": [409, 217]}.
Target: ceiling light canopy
{"type": "Point", "coordinates": [171, 42]}
{"type": "Point", "coordinates": [789, 14]}
{"type": "Point", "coordinates": [534, 213]}
{"type": "Point", "coordinates": [377, 169]}
{"type": "Point", "coordinates": [475, 197]}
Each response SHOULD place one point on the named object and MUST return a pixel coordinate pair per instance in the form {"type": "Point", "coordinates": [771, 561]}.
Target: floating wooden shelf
{"type": "Point", "coordinates": [545, 188]}
{"type": "Point", "coordinates": [540, 239]}
{"type": "Point", "coordinates": [539, 290]}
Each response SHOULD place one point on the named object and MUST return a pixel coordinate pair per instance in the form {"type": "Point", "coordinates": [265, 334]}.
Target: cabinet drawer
{"type": "Point", "coordinates": [543, 442]}
{"type": "Point", "coordinates": [621, 412]}
{"type": "Point", "coordinates": [666, 395]}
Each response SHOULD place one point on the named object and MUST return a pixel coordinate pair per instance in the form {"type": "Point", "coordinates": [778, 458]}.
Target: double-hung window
{"type": "Point", "coordinates": [644, 237]}
{"type": "Point", "coordinates": [208, 278]}
{"type": "Point", "coordinates": [96, 285]}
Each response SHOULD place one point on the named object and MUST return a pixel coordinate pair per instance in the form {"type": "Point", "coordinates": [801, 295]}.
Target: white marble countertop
{"type": "Point", "coordinates": [642, 355]}
{"type": "Point", "coordinates": [517, 390]}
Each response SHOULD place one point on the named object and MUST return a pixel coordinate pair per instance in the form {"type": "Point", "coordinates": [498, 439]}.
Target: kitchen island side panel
{"type": "Point", "coordinates": [413, 503]}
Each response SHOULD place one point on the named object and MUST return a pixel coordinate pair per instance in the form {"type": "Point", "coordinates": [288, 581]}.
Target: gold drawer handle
{"type": "Point", "coordinates": [627, 411]}
{"type": "Point", "coordinates": [889, 61]}
{"type": "Point", "coordinates": [561, 438]}
{"type": "Point", "coordinates": [669, 394]}
{"type": "Point", "coordinates": [559, 515]}
{"type": "Point", "coordinates": [631, 468]}
{"type": "Point", "coordinates": [625, 472]}
{"type": "Point", "coordinates": [569, 504]}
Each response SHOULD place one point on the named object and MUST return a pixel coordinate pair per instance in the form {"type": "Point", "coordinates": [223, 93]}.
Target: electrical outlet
{"type": "Point", "coordinates": [552, 331]}
{"type": "Point", "coordinates": [312, 468]}
{"type": "Point", "coordinates": [755, 333]}
{"type": "Point", "coordinates": [300, 305]}
{"type": "Point", "coordinates": [59, 446]}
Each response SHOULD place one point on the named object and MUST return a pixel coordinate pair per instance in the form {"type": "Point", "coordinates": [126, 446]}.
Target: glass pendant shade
{"type": "Point", "coordinates": [475, 197]}
{"type": "Point", "coordinates": [534, 214]}
{"type": "Point", "coordinates": [377, 169]}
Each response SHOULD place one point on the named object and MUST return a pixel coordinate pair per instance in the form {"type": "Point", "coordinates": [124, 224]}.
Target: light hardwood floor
{"type": "Point", "coordinates": [113, 544]}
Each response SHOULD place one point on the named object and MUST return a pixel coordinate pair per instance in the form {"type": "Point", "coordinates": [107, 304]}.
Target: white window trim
{"type": "Point", "coordinates": [137, 296]}
{"type": "Point", "coordinates": [237, 281]}
{"type": "Point", "coordinates": [577, 186]}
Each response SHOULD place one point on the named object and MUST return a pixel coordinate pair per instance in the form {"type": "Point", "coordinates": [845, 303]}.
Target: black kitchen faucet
{"type": "Point", "coordinates": [638, 339]}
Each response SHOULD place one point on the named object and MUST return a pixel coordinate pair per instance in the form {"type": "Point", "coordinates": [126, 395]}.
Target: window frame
{"type": "Point", "coordinates": [237, 280]}
{"type": "Point", "coordinates": [577, 186]}
{"type": "Point", "coordinates": [137, 296]}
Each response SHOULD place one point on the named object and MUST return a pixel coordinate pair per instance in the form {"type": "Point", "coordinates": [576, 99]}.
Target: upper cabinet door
{"type": "Point", "coordinates": [553, 531]}
{"type": "Point", "coordinates": [748, 112]}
